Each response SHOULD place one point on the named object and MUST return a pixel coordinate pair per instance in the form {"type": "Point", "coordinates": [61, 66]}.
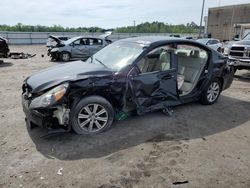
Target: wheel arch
{"type": "Point", "coordinates": [75, 99]}
{"type": "Point", "coordinates": [221, 79]}
{"type": "Point", "coordinates": [65, 51]}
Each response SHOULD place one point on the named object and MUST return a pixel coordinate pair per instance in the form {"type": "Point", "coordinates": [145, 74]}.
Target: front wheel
{"type": "Point", "coordinates": [211, 94]}
{"type": "Point", "coordinates": [65, 56]}
{"type": "Point", "coordinates": [91, 115]}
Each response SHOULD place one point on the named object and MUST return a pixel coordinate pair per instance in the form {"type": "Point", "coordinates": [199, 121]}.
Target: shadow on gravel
{"type": "Point", "coordinates": [191, 121]}
{"type": "Point", "coordinates": [245, 77]}
{"type": "Point", "coordinates": [6, 64]}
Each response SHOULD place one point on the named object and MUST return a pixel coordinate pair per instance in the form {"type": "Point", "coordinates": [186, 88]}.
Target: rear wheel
{"type": "Point", "coordinates": [92, 115]}
{"type": "Point", "coordinates": [65, 56]}
{"type": "Point", "coordinates": [211, 94]}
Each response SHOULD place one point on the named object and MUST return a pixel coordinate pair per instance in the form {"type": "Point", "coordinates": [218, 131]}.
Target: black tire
{"type": "Point", "coordinates": [205, 99]}
{"type": "Point", "coordinates": [65, 56]}
{"type": "Point", "coordinates": [80, 106]}
{"type": "Point", "coordinates": [235, 70]}
{"type": "Point", "coordinates": [6, 55]}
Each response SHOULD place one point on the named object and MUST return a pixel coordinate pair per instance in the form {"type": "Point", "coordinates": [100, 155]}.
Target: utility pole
{"type": "Point", "coordinates": [134, 26]}
{"type": "Point", "coordinates": [202, 10]}
{"type": "Point", "coordinates": [219, 3]}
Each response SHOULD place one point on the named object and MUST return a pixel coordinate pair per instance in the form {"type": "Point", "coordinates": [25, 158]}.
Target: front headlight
{"type": "Point", "coordinates": [54, 50]}
{"type": "Point", "coordinates": [226, 50]}
{"type": "Point", "coordinates": [49, 98]}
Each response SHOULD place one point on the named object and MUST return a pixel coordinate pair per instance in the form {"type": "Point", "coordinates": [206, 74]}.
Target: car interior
{"type": "Point", "coordinates": [190, 63]}
{"type": "Point", "coordinates": [190, 66]}
{"type": "Point", "coordinates": [157, 60]}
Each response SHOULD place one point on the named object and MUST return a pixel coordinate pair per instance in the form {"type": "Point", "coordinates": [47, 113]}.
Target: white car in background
{"type": "Point", "coordinates": [213, 43]}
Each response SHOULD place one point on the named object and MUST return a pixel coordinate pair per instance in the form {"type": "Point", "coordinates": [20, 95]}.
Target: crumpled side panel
{"type": "Point", "coordinates": [153, 91]}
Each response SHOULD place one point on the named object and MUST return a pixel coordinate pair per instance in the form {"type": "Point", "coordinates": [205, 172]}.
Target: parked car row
{"type": "Point", "coordinates": [213, 43]}
{"type": "Point", "coordinates": [62, 48]}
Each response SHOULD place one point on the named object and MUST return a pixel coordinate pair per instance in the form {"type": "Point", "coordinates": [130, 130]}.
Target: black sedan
{"type": "Point", "coordinates": [135, 75]}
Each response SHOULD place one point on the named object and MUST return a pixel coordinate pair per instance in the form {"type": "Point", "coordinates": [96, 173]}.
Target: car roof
{"type": "Point", "coordinates": [208, 39]}
{"type": "Point", "coordinates": [67, 42]}
{"type": "Point", "coordinates": [79, 37]}
{"type": "Point", "coordinates": [148, 40]}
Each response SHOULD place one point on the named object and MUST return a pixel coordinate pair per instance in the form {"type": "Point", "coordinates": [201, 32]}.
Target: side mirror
{"type": "Point", "coordinates": [236, 39]}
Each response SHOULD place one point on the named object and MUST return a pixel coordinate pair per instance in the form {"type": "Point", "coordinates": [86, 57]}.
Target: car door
{"type": "Point", "coordinates": [155, 86]}
{"type": "Point", "coordinates": [95, 45]}
{"type": "Point", "coordinates": [80, 48]}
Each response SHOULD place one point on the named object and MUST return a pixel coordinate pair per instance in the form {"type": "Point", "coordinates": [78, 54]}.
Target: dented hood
{"type": "Point", "coordinates": [242, 42]}
{"type": "Point", "coordinates": [56, 39]}
{"type": "Point", "coordinates": [106, 34]}
{"type": "Point", "coordinates": [73, 71]}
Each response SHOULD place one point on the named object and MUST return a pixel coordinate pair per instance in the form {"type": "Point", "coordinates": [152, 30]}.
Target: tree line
{"type": "Point", "coordinates": [159, 27]}
{"type": "Point", "coordinates": [153, 27]}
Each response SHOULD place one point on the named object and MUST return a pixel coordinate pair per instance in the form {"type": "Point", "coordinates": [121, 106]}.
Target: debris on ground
{"type": "Point", "coordinates": [20, 55]}
{"type": "Point", "coordinates": [168, 111]}
{"type": "Point", "coordinates": [2, 143]}
{"type": "Point", "coordinates": [180, 182]}
{"type": "Point", "coordinates": [59, 172]}
{"type": "Point", "coordinates": [203, 138]}
{"type": "Point", "coordinates": [122, 116]}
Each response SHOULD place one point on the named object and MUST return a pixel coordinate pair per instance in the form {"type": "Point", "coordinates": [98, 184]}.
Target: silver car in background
{"type": "Point", "coordinates": [212, 43]}
{"type": "Point", "coordinates": [80, 47]}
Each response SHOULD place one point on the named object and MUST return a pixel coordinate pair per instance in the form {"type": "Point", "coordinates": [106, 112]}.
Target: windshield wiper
{"type": "Point", "coordinates": [100, 62]}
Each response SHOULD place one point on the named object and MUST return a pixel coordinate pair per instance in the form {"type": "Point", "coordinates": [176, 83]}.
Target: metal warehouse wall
{"type": "Point", "coordinates": [222, 19]}
{"type": "Point", "coordinates": [41, 37]}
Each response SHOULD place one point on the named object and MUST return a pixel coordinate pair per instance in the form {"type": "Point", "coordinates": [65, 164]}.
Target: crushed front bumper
{"type": "Point", "coordinates": [52, 118]}
{"type": "Point", "coordinates": [53, 55]}
{"type": "Point", "coordinates": [35, 117]}
{"type": "Point", "coordinates": [32, 116]}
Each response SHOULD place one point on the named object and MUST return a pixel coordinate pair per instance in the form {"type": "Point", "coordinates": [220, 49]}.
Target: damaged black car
{"type": "Point", "coordinates": [4, 48]}
{"type": "Point", "coordinates": [135, 75]}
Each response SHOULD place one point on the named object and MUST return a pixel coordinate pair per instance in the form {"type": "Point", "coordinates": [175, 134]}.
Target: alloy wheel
{"type": "Point", "coordinates": [65, 57]}
{"type": "Point", "coordinates": [213, 92]}
{"type": "Point", "coordinates": [93, 117]}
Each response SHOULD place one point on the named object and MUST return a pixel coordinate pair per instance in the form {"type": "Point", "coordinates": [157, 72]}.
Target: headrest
{"type": "Point", "coordinates": [195, 53]}
{"type": "Point", "coordinates": [182, 54]}
{"type": "Point", "coordinates": [165, 57]}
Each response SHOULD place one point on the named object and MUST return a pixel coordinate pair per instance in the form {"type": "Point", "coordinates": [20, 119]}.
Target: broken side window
{"type": "Point", "coordinates": [158, 59]}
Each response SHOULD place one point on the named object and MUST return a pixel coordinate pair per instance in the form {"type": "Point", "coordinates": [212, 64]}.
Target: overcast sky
{"type": "Point", "coordinates": [106, 14]}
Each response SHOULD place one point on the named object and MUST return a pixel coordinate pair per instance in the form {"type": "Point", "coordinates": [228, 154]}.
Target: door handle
{"type": "Point", "coordinates": [169, 76]}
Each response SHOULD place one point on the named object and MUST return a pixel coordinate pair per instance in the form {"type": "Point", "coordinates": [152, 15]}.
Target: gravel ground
{"type": "Point", "coordinates": [199, 146]}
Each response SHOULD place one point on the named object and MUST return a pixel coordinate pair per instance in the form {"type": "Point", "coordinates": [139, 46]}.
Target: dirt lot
{"type": "Point", "coordinates": [207, 146]}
